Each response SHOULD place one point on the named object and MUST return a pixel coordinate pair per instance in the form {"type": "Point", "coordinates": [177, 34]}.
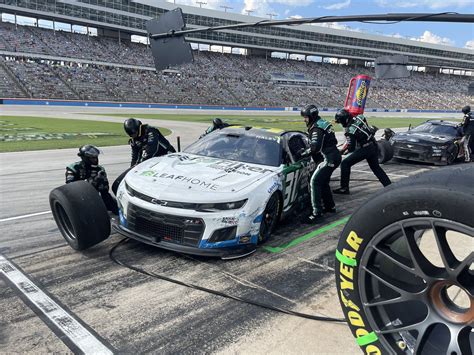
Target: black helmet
{"type": "Point", "coordinates": [133, 127]}
{"type": "Point", "coordinates": [217, 123]}
{"type": "Point", "coordinates": [343, 117]}
{"type": "Point", "coordinates": [466, 109]}
{"type": "Point", "coordinates": [312, 112]}
{"type": "Point", "coordinates": [89, 155]}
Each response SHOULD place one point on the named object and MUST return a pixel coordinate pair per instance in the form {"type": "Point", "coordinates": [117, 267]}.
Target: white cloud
{"type": "Point", "coordinates": [469, 44]}
{"type": "Point", "coordinates": [264, 7]}
{"type": "Point", "coordinates": [433, 4]}
{"type": "Point", "coordinates": [338, 6]}
{"type": "Point", "coordinates": [430, 37]}
{"type": "Point", "coordinates": [260, 7]}
{"type": "Point", "coordinates": [211, 4]}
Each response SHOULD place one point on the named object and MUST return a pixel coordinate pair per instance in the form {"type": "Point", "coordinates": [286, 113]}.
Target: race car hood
{"type": "Point", "coordinates": [189, 177]}
{"type": "Point", "coordinates": [422, 138]}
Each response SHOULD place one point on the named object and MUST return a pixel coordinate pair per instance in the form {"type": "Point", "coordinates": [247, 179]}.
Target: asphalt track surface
{"type": "Point", "coordinates": [133, 313]}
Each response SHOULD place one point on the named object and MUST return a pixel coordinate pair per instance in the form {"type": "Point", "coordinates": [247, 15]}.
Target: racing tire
{"type": "Point", "coordinates": [80, 214]}
{"type": "Point", "coordinates": [270, 217]}
{"type": "Point", "coordinates": [385, 151]}
{"type": "Point", "coordinates": [393, 293]}
{"type": "Point", "coordinates": [452, 154]}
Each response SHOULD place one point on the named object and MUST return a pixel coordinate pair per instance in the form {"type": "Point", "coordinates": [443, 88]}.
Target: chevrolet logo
{"type": "Point", "coordinates": [159, 202]}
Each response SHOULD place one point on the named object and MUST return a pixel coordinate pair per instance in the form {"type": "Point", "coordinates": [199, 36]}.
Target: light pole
{"type": "Point", "coordinates": [249, 11]}
{"type": "Point", "coordinates": [271, 15]}
{"type": "Point", "coordinates": [225, 7]}
{"type": "Point", "coordinates": [201, 3]}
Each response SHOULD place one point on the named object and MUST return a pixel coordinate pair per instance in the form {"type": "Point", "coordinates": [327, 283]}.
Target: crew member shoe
{"type": "Point", "coordinates": [341, 191]}
{"type": "Point", "coordinates": [329, 210]}
{"type": "Point", "coordinates": [314, 218]}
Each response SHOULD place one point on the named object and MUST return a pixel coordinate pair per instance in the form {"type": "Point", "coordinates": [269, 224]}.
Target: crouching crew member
{"type": "Point", "coordinates": [322, 140]}
{"type": "Point", "coordinates": [88, 169]}
{"type": "Point", "coordinates": [146, 142]}
{"type": "Point", "coordinates": [360, 145]}
{"type": "Point", "coordinates": [467, 125]}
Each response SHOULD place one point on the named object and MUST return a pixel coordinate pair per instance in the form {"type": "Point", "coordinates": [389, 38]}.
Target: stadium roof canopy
{"type": "Point", "coordinates": [130, 16]}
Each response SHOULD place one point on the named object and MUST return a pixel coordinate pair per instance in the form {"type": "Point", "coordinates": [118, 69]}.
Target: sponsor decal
{"type": "Point", "coordinates": [181, 178]}
{"type": "Point", "coordinates": [273, 188]}
{"type": "Point", "coordinates": [220, 164]}
{"type": "Point", "coordinates": [230, 221]}
{"type": "Point", "coordinates": [347, 269]}
{"type": "Point", "coordinates": [361, 93]}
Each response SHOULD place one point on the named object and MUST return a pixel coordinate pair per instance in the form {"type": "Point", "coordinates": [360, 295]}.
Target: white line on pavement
{"type": "Point", "coordinates": [370, 172]}
{"type": "Point", "coordinates": [62, 321]}
{"type": "Point", "coordinates": [24, 216]}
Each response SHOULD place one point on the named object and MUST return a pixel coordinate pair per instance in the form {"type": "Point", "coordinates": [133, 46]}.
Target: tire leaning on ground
{"type": "Point", "coordinates": [394, 292]}
{"type": "Point", "coordinates": [385, 151]}
{"type": "Point", "coordinates": [80, 214]}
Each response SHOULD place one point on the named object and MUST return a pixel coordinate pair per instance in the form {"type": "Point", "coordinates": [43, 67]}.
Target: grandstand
{"type": "Point", "coordinates": [42, 63]}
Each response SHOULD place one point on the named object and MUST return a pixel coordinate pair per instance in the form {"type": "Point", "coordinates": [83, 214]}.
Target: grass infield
{"type": "Point", "coordinates": [38, 133]}
{"type": "Point", "coordinates": [290, 122]}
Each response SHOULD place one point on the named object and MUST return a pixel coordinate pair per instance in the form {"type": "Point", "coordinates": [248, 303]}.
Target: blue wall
{"type": "Point", "coordinates": [194, 107]}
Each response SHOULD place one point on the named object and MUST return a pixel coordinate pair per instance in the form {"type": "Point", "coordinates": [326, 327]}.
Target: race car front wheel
{"type": "Point", "coordinates": [385, 151]}
{"type": "Point", "coordinates": [404, 267]}
{"type": "Point", "coordinates": [270, 217]}
{"type": "Point", "coordinates": [80, 214]}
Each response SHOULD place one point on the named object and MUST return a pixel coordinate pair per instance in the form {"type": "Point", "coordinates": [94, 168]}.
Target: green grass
{"type": "Point", "coordinates": [294, 122]}
{"type": "Point", "coordinates": [91, 132]}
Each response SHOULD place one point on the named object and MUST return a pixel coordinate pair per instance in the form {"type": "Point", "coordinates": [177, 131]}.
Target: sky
{"type": "Point", "coordinates": [458, 35]}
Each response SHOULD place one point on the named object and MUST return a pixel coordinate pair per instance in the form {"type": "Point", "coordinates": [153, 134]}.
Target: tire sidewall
{"type": "Point", "coordinates": [396, 205]}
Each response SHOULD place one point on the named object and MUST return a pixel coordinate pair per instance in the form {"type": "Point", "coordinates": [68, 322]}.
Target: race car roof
{"type": "Point", "coordinates": [443, 123]}
{"type": "Point", "coordinates": [254, 131]}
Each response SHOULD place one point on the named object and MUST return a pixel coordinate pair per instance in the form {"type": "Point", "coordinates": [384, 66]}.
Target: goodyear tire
{"type": "Point", "coordinates": [385, 151]}
{"type": "Point", "coordinates": [270, 217]}
{"type": "Point", "coordinates": [80, 214]}
{"type": "Point", "coordinates": [394, 291]}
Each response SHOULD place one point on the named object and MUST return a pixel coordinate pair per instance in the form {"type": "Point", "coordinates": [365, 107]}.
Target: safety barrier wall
{"type": "Point", "coordinates": [193, 107]}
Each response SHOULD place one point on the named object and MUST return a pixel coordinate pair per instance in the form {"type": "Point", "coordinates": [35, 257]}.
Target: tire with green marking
{"type": "Point", "coordinates": [404, 266]}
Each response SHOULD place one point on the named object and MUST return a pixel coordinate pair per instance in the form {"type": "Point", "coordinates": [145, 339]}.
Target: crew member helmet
{"type": "Point", "coordinates": [89, 155]}
{"type": "Point", "coordinates": [132, 127]}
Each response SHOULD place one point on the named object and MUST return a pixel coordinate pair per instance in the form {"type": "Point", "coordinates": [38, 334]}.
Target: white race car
{"type": "Point", "coordinates": [221, 196]}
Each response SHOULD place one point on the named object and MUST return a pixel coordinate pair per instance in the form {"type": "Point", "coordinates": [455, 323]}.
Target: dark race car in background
{"type": "Point", "coordinates": [434, 141]}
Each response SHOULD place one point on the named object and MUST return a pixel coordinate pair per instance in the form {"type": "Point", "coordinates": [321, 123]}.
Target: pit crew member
{"type": "Point", "coordinates": [322, 141]}
{"type": "Point", "coordinates": [361, 145]}
{"type": "Point", "coordinates": [88, 169]}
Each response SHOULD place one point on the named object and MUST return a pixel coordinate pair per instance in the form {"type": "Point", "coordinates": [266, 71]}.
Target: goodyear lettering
{"type": "Point", "coordinates": [355, 319]}
{"type": "Point", "coordinates": [365, 338]}
{"type": "Point", "coordinates": [354, 241]}
{"type": "Point", "coordinates": [372, 350]}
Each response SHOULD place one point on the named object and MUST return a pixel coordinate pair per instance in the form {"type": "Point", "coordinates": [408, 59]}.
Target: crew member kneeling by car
{"type": "Point", "coordinates": [88, 169]}
{"type": "Point", "coordinates": [322, 140]}
{"type": "Point", "coordinates": [358, 133]}
{"type": "Point", "coordinates": [146, 142]}
{"type": "Point", "coordinates": [467, 125]}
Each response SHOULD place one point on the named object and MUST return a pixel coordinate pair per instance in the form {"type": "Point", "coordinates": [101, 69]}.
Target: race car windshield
{"type": "Point", "coordinates": [435, 129]}
{"type": "Point", "coordinates": [264, 150]}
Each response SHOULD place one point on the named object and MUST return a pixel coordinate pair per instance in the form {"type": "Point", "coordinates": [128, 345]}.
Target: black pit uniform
{"type": "Point", "coordinates": [88, 169]}
{"type": "Point", "coordinates": [360, 145]}
{"type": "Point", "coordinates": [146, 142]}
{"type": "Point", "coordinates": [151, 143]}
{"type": "Point", "coordinates": [468, 133]}
{"type": "Point", "coordinates": [217, 123]}
{"type": "Point", "coordinates": [322, 141]}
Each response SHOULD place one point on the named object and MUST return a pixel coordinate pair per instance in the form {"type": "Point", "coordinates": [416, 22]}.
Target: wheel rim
{"type": "Point", "coordinates": [452, 155]}
{"type": "Point", "coordinates": [269, 218]}
{"type": "Point", "coordinates": [406, 288]}
{"type": "Point", "coordinates": [64, 223]}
